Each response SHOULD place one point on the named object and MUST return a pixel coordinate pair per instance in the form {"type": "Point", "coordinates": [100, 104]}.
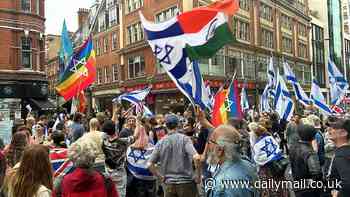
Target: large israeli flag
{"type": "Point", "coordinates": [299, 92]}
{"type": "Point", "coordinates": [337, 83]}
{"type": "Point", "coordinates": [318, 99]}
{"type": "Point", "coordinates": [170, 50]}
{"type": "Point", "coordinates": [283, 100]}
{"type": "Point", "coordinates": [134, 97]}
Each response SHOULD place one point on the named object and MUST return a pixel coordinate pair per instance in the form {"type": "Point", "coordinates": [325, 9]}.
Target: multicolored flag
{"type": "Point", "coordinates": [227, 105]}
{"type": "Point", "coordinates": [80, 73]}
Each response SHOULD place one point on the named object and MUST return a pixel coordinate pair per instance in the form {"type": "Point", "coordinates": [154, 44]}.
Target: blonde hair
{"type": "Point", "coordinates": [94, 124]}
{"type": "Point", "coordinates": [307, 121]}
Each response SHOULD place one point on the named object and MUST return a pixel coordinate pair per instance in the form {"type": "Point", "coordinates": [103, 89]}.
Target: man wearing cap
{"type": "Point", "coordinates": [175, 153]}
{"type": "Point", "coordinates": [339, 169]}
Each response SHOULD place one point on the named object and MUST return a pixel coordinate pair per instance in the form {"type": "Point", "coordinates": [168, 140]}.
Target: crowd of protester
{"type": "Point", "coordinates": [176, 155]}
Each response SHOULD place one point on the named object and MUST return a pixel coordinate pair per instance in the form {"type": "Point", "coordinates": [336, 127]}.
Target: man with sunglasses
{"type": "Point", "coordinates": [339, 168]}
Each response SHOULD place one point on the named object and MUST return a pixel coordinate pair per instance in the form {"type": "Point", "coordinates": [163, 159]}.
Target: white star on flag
{"type": "Point", "coordinates": [77, 63]}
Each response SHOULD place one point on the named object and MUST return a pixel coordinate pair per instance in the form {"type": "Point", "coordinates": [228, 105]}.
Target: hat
{"type": "Point", "coordinates": [342, 124]}
{"type": "Point", "coordinates": [171, 119]}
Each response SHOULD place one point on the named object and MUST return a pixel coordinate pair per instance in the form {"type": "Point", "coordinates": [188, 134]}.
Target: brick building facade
{"type": "Point", "coordinates": [22, 57]}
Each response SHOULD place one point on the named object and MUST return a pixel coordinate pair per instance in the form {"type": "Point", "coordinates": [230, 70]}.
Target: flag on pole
{"type": "Point", "coordinates": [244, 100]}
{"type": "Point", "coordinates": [336, 109]}
{"type": "Point", "coordinates": [80, 73]}
{"type": "Point", "coordinates": [283, 100]}
{"type": "Point", "coordinates": [264, 105]}
{"type": "Point", "coordinates": [178, 42]}
{"type": "Point", "coordinates": [337, 83]}
{"type": "Point", "coordinates": [66, 49]}
{"type": "Point", "coordinates": [299, 92]}
{"type": "Point", "coordinates": [135, 97]}
{"type": "Point", "coordinates": [318, 99]}
{"type": "Point", "coordinates": [227, 105]}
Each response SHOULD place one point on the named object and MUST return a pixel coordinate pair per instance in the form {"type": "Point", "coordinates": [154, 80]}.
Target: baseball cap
{"type": "Point", "coordinates": [171, 119]}
{"type": "Point", "coordinates": [342, 124]}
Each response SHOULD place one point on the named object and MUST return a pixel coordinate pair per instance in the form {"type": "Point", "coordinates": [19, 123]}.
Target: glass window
{"type": "Point", "coordinates": [101, 22]}
{"type": "Point", "coordinates": [107, 74]}
{"type": "Point", "coordinates": [307, 73]}
{"type": "Point", "coordinates": [265, 12]}
{"type": "Point", "coordinates": [135, 33]}
{"type": "Point", "coordinates": [136, 66]}
{"type": "Point", "coordinates": [25, 5]}
{"type": "Point", "coordinates": [266, 38]}
{"type": "Point", "coordinates": [286, 22]}
{"type": "Point", "coordinates": [218, 64]}
{"type": "Point", "coordinates": [37, 7]}
{"type": "Point", "coordinates": [248, 66]}
{"type": "Point", "coordinates": [133, 5]}
{"type": "Point", "coordinates": [99, 76]}
{"type": "Point", "coordinates": [115, 72]}
{"type": "Point", "coordinates": [287, 45]}
{"type": "Point", "coordinates": [244, 5]}
{"type": "Point", "coordinates": [302, 50]}
{"type": "Point", "coordinates": [298, 71]}
{"type": "Point", "coordinates": [26, 53]}
{"type": "Point", "coordinates": [105, 44]}
{"type": "Point", "coordinates": [167, 14]}
{"type": "Point", "coordinates": [204, 66]}
{"type": "Point", "coordinates": [302, 30]}
{"type": "Point", "coordinates": [113, 15]}
{"type": "Point", "coordinates": [242, 30]}
{"type": "Point", "coordinates": [114, 40]}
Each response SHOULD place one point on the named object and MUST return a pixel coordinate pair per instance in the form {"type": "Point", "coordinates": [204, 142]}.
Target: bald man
{"type": "Point", "coordinates": [224, 150]}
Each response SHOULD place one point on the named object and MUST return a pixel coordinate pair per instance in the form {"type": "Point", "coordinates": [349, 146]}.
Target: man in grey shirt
{"type": "Point", "coordinates": [175, 154]}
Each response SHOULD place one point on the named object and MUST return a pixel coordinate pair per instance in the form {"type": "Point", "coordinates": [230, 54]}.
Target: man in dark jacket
{"type": "Point", "coordinates": [339, 169]}
{"type": "Point", "coordinates": [305, 163]}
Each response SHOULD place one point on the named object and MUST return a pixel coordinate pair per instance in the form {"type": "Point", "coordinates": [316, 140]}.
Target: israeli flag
{"type": "Point", "coordinates": [272, 77]}
{"type": "Point", "coordinates": [299, 92]}
{"type": "Point", "coordinates": [244, 100]}
{"type": "Point", "coordinates": [264, 100]}
{"type": "Point", "coordinates": [318, 99]}
{"type": "Point", "coordinates": [283, 100]}
{"type": "Point", "coordinates": [147, 112]}
{"type": "Point", "coordinates": [266, 149]}
{"type": "Point", "coordinates": [134, 97]}
{"type": "Point", "coordinates": [337, 83]}
{"type": "Point", "coordinates": [170, 50]}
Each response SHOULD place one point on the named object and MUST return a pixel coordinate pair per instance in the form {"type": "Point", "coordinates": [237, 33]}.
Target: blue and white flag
{"type": "Point", "coordinates": [170, 49]}
{"type": "Point", "coordinates": [135, 97]}
{"type": "Point", "coordinates": [137, 162]}
{"type": "Point", "coordinates": [318, 99]}
{"type": "Point", "coordinates": [266, 149]}
{"type": "Point", "coordinates": [299, 92]}
{"type": "Point", "coordinates": [244, 100]}
{"type": "Point", "coordinates": [264, 105]}
{"type": "Point", "coordinates": [283, 100]}
{"type": "Point", "coordinates": [271, 74]}
{"type": "Point", "coordinates": [147, 112]}
{"type": "Point", "coordinates": [337, 83]}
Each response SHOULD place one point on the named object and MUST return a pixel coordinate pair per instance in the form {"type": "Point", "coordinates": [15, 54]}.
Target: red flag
{"type": "Point", "coordinates": [82, 102]}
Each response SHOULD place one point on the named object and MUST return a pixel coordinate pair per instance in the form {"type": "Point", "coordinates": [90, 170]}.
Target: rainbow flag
{"type": "Point", "coordinates": [227, 105]}
{"type": "Point", "coordinates": [80, 73]}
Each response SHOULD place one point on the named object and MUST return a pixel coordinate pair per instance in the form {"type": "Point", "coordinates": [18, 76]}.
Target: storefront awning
{"type": "Point", "coordinates": [42, 104]}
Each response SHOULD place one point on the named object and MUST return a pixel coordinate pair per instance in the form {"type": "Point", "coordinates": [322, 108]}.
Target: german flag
{"type": "Point", "coordinates": [80, 73]}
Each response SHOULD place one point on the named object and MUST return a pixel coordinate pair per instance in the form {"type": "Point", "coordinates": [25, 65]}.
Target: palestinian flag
{"type": "Point", "coordinates": [227, 105]}
{"type": "Point", "coordinates": [80, 73]}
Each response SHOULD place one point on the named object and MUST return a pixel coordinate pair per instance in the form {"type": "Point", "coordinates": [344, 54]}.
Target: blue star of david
{"type": "Point", "coordinates": [269, 148]}
{"type": "Point", "coordinates": [137, 157]}
{"type": "Point", "coordinates": [168, 50]}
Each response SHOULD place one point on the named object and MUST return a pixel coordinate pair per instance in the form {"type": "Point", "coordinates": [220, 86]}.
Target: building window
{"type": "Point", "coordinates": [136, 67]}
{"type": "Point", "coordinates": [99, 76]}
{"type": "Point", "coordinates": [287, 45]}
{"type": "Point", "coordinates": [105, 44]}
{"type": "Point", "coordinates": [115, 72]}
{"type": "Point", "coordinates": [302, 50]}
{"type": "Point", "coordinates": [114, 40]}
{"type": "Point", "coordinates": [286, 22]}
{"type": "Point", "coordinates": [244, 5]}
{"type": "Point", "coordinates": [98, 47]}
{"type": "Point", "coordinates": [108, 74]}
{"type": "Point", "coordinates": [242, 30]}
{"type": "Point", "coordinates": [113, 15]}
{"type": "Point", "coordinates": [25, 5]}
{"type": "Point", "coordinates": [133, 5]}
{"type": "Point", "coordinates": [26, 53]}
{"type": "Point", "coordinates": [135, 33]}
{"type": "Point", "coordinates": [307, 74]}
{"type": "Point", "coordinates": [37, 7]}
{"type": "Point", "coordinates": [302, 30]}
{"type": "Point", "coordinates": [167, 14]}
{"type": "Point", "coordinates": [266, 38]}
{"type": "Point", "coordinates": [101, 22]}
{"type": "Point", "coordinates": [265, 12]}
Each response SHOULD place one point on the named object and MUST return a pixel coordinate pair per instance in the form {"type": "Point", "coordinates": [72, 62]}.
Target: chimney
{"type": "Point", "coordinates": [83, 17]}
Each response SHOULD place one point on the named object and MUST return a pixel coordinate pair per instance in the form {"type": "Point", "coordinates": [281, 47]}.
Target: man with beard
{"type": "Point", "coordinates": [224, 150]}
